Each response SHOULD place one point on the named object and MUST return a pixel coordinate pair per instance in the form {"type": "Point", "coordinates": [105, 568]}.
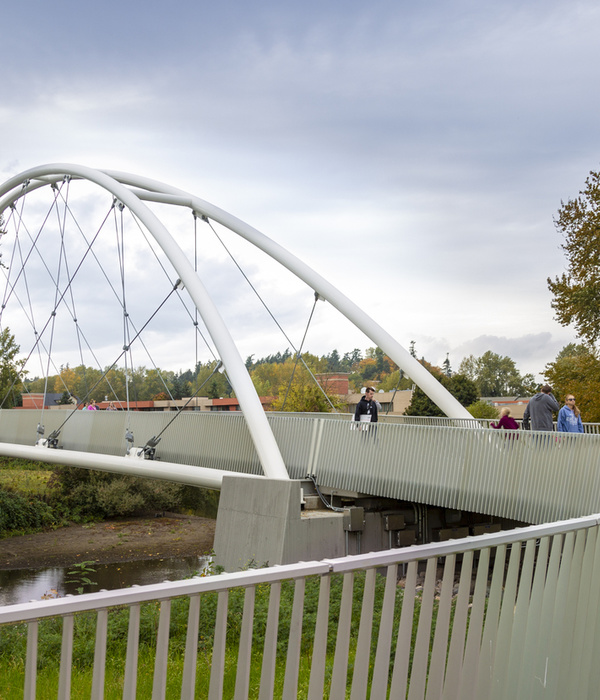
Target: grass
{"type": "Point", "coordinates": [24, 477]}
{"type": "Point", "coordinates": [27, 482]}
{"type": "Point", "coordinates": [13, 643]}
{"type": "Point", "coordinates": [11, 683]}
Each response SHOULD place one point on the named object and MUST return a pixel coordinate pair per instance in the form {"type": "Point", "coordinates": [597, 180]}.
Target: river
{"type": "Point", "coordinates": [24, 585]}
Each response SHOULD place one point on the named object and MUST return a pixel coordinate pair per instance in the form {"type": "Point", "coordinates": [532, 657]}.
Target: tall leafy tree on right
{"type": "Point", "coordinates": [576, 300]}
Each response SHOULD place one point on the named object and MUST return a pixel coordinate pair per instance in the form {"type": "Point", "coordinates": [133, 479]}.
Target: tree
{"type": "Point", "coordinates": [334, 361]}
{"type": "Point", "coordinates": [396, 380]}
{"type": "Point", "coordinates": [577, 292]}
{"type": "Point", "coordinates": [497, 376]}
{"type": "Point", "coordinates": [460, 386]}
{"type": "Point", "coordinates": [304, 396]}
{"type": "Point", "coordinates": [11, 370]}
{"type": "Point", "coordinates": [65, 400]}
{"type": "Point", "coordinates": [576, 371]}
{"type": "Point", "coordinates": [446, 365]}
{"type": "Point", "coordinates": [351, 359]}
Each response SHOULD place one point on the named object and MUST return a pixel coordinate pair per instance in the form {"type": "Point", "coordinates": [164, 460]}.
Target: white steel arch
{"type": "Point", "coordinates": [262, 436]}
{"type": "Point", "coordinates": [154, 191]}
{"type": "Point", "coordinates": [133, 190]}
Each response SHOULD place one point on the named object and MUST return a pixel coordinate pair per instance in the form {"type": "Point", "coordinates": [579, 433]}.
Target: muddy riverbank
{"type": "Point", "coordinates": [128, 539]}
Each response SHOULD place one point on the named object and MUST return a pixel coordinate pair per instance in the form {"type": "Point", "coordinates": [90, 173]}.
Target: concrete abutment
{"type": "Point", "coordinates": [269, 522]}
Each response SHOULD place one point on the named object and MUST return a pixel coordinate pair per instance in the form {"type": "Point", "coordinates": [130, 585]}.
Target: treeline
{"type": "Point", "coordinates": [286, 377]}
{"type": "Point", "coordinates": [139, 384]}
{"type": "Point", "coordinates": [271, 376]}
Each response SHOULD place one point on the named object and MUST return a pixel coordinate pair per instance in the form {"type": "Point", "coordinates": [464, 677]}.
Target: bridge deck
{"type": "Point", "coordinates": [530, 477]}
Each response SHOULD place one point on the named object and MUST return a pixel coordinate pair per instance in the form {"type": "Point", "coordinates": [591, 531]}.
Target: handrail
{"type": "Point", "coordinates": [491, 623]}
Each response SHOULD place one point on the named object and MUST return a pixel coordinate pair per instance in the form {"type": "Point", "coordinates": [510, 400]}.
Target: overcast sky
{"type": "Point", "coordinates": [415, 154]}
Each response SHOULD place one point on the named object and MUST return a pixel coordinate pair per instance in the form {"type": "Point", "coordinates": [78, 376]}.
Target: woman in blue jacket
{"type": "Point", "coordinates": [569, 417]}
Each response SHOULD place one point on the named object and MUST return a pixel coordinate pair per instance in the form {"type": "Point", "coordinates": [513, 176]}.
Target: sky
{"type": "Point", "coordinates": [414, 154]}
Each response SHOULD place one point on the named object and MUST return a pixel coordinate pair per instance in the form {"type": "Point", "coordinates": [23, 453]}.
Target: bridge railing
{"type": "Point", "coordinates": [439, 421]}
{"type": "Point", "coordinates": [526, 476]}
{"type": "Point", "coordinates": [509, 615]}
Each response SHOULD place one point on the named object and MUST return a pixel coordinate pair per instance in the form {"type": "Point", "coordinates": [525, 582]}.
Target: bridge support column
{"type": "Point", "coordinates": [260, 521]}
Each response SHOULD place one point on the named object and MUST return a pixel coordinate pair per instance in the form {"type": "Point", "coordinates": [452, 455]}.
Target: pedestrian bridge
{"type": "Point", "coordinates": [451, 463]}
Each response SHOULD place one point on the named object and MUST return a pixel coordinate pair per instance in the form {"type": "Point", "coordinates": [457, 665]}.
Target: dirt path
{"type": "Point", "coordinates": [111, 541]}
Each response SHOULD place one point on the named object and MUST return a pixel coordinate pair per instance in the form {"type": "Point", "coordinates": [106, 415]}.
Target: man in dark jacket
{"type": "Point", "coordinates": [540, 409]}
{"type": "Point", "coordinates": [366, 407]}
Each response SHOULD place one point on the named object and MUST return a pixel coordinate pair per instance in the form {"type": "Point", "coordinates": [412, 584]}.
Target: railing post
{"type": "Point", "coordinates": [242, 678]}
{"type": "Point", "coordinates": [188, 684]}
{"type": "Point", "coordinates": [100, 655]}
{"type": "Point", "coordinates": [159, 683]}
{"type": "Point", "coordinates": [215, 691]}
{"type": "Point", "coordinates": [131, 661]}
{"type": "Point", "coordinates": [66, 659]}
{"type": "Point", "coordinates": [292, 664]}
{"type": "Point", "coordinates": [31, 662]}
{"type": "Point", "coordinates": [317, 671]}
{"type": "Point", "coordinates": [267, 675]}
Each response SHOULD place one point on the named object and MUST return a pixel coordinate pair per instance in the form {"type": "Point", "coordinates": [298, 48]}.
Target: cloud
{"type": "Point", "coordinates": [415, 155]}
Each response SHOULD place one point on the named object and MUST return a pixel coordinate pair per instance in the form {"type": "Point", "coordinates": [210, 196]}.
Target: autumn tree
{"type": "Point", "coordinates": [396, 380]}
{"type": "Point", "coordinates": [205, 376]}
{"type": "Point", "coordinates": [576, 370]}
{"type": "Point", "coordinates": [576, 293]}
{"type": "Point", "coordinates": [304, 395]}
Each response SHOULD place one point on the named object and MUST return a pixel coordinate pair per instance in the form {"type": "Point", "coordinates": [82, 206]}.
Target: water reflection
{"type": "Point", "coordinates": [23, 585]}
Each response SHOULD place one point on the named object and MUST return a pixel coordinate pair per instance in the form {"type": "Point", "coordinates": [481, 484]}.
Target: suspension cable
{"type": "Point", "coordinates": [298, 353]}
{"type": "Point", "coordinates": [212, 374]}
{"type": "Point", "coordinates": [193, 317]}
{"type": "Point", "coordinates": [196, 271]}
{"type": "Point", "coordinates": [123, 352]}
{"type": "Point", "coordinates": [61, 228]}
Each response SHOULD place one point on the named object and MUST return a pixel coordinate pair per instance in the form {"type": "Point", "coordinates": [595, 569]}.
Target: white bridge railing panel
{"type": "Point", "coordinates": [525, 476]}
{"type": "Point", "coordinates": [510, 615]}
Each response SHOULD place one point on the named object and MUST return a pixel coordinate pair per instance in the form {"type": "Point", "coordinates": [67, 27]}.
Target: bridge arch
{"type": "Point", "coordinates": [133, 191]}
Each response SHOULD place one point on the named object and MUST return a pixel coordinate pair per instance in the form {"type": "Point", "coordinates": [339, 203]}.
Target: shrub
{"type": "Point", "coordinates": [482, 409]}
{"type": "Point", "coordinates": [21, 514]}
{"type": "Point", "coordinates": [95, 494]}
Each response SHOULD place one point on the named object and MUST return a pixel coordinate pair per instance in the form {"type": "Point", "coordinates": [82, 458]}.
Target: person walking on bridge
{"type": "Point", "coordinates": [540, 409]}
{"type": "Point", "coordinates": [569, 417]}
{"type": "Point", "coordinates": [366, 408]}
{"type": "Point", "coordinates": [506, 422]}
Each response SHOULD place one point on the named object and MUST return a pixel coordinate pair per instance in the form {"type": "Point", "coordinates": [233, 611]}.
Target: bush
{"type": "Point", "coordinates": [482, 409]}
{"type": "Point", "coordinates": [95, 494]}
{"type": "Point", "coordinates": [21, 514]}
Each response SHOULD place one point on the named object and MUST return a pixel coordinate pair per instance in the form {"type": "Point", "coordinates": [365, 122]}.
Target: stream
{"type": "Point", "coordinates": [24, 585]}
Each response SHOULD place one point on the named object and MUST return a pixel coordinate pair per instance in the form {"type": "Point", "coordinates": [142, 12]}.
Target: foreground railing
{"type": "Point", "coordinates": [509, 615]}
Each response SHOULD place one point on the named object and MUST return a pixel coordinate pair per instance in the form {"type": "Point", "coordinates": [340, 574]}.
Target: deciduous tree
{"type": "Point", "coordinates": [11, 370]}
{"type": "Point", "coordinates": [460, 386]}
{"type": "Point", "coordinates": [577, 292]}
{"type": "Point", "coordinates": [576, 371]}
{"type": "Point", "coordinates": [495, 375]}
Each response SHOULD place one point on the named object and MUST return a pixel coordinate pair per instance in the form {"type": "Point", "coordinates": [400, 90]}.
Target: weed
{"type": "Point", "coordinates": [78, 574]}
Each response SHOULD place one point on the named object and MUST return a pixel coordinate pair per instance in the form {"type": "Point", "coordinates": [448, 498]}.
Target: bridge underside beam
{"type": "Point", "coordinates": [168, 471]}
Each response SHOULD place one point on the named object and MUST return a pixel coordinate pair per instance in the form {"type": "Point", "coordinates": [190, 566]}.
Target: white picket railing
{"type": "Point", "coordinates": [509, 615]}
